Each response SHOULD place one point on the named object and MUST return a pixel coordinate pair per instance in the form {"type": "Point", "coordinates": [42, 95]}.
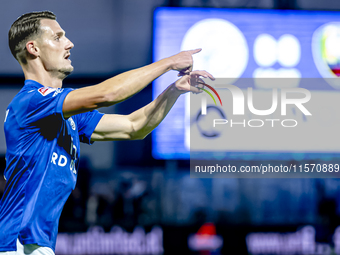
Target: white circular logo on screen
{"type": "Point", "coordinates": [326, 52]}
{"type": "Point", "coordinates": [224, 52]}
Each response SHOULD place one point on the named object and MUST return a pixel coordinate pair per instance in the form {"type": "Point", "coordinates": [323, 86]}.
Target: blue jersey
{"type": "Point", "coordinates": [41, 164]}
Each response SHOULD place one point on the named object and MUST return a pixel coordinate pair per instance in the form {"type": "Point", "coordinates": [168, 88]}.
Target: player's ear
{"type": "Point", "coordinates": [32, 48]}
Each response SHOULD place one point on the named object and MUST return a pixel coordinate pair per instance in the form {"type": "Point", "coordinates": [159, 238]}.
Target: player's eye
{"type": "Point", "coordinates": [57, 38]}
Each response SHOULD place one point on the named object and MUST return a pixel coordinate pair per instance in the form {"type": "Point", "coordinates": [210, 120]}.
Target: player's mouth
{"type": "Point", "coordinates": [67, 57]}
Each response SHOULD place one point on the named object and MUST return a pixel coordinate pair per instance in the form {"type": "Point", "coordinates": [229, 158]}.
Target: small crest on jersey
{"type": "Point", "coordinates": [45, 90]}
{"type": "Point", "coordinates": [73, 125]}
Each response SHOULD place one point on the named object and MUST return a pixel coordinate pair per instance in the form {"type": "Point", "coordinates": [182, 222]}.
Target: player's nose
{"type": "Point", "coordinates": [69, 44]}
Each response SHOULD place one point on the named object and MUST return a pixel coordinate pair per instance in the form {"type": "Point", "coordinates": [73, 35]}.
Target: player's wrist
{"type": "Point", "coordinates": [177, 89]}
{"type": "Point", "coordinates": [170, 63]}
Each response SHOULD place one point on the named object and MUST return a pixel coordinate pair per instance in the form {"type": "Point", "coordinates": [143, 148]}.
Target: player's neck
{"type": "Point", "coordinates": [45, 78]}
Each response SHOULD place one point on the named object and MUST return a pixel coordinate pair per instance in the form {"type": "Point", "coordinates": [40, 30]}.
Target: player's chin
{"type": "Point", "coordinates": [67, 70]}
{"type": "Point", "coordinates": [70, 69]}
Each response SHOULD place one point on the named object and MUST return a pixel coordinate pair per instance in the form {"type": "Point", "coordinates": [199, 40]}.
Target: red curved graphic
{"type": "Point", "coordinates": [218, 96]}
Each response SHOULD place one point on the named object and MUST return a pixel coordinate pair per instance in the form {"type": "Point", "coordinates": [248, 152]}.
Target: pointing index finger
{"type": "Point", "coordinates": [194, 51]}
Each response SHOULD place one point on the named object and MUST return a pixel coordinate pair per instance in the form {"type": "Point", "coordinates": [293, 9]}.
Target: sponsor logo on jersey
{"type": "Point", "coordinates": [45, 91]}
{"type": "Point", "coordinates": [58, 90]}
{"type": "Point", "coordinates": [73, 125]}
{"type": "Point", "coordinates": [61, 160]}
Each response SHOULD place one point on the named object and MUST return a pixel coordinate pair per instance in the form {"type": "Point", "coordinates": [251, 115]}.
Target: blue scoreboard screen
{"type": "Point", "coordinates": [239, 43]}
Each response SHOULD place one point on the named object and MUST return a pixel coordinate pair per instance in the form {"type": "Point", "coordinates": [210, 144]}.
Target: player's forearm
{"type": "Point", "coordinates": [125, 85]}
{"type": "Point", "coordinates": [148, 118]}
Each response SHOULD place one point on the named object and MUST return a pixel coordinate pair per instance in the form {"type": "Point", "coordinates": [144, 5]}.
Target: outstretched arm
{"type": "Point", "coordinates": [140, 123]}
{"type": "Point", "coordinates": [125, 85]}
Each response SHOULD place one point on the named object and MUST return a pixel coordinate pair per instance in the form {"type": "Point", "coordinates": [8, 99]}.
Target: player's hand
{"type": "Point", "coordinates": [192, 81]}
{"type": "Point", "coordinates": [182, 61]}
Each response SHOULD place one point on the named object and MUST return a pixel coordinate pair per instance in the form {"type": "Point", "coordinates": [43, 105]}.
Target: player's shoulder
{"type": "Point", "coordinates": [35, 92]}
{"type": "Point", "coordinates": [29, 94]}
{"type": "Point", "coordinates": [38, 89]}
{"type": "Point", "coordinates": [41, 92]}
{"type": "Point", "coordinates": [24, 95]}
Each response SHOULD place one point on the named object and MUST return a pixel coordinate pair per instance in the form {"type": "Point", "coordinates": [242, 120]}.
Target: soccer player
{"type": "Point", "coordinates": [45, 123]}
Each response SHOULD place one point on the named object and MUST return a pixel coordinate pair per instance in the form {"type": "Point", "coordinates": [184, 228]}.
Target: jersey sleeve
{"type": "Point", "coordinates": [87, 122]}
{"type": "Point", "coordinates": [43, 102]}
